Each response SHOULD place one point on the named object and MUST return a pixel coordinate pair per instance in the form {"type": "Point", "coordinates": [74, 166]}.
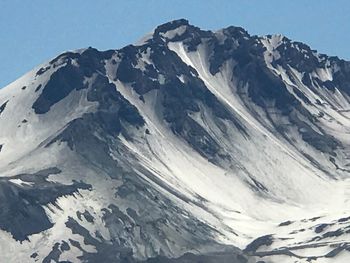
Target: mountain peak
{"type": "Point", "coordinates": [172, 25]}
{"type": "Point", "coordinates": [167, 30]}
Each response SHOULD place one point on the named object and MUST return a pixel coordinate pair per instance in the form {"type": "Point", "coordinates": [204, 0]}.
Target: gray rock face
{"type": "Point", "coordinates": [3, 106]}
{"type": "Point", "coordinates": [21, 208]}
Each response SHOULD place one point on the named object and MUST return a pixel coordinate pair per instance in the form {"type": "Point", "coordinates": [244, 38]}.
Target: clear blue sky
{"type": "Point", "coordinates": [33, 31]}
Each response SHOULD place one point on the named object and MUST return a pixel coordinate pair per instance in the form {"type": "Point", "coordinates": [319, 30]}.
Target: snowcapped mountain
{"type": "Point", "coordinates": [189, 146]}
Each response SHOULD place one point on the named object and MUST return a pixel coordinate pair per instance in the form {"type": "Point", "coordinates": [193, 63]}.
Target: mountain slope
{"type": "Point", "coordinates": [218, 144]}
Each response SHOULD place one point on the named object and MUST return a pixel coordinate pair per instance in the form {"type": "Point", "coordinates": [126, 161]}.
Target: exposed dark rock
{"type": "Point", "coordinates": [88, 217]}
{"type": "Point", "coordinates": [21, 206]}
{"type": "Point", "coordinates": [70, 77]}
{"type": "Point", "coordinates": [191, 37]}
{"type": "Point", "coordinates": [64, 246]}
{"type": "Point", "coordinates": [286, 223]}
{"type": "Point", "coordinates": [259, 242]}
{"type": "Point", "coordinates": [3, 106]}
{"type": "Point", "coordinates": [61, 83]}
{"type": "Point", "coordinates": [105, 251]}
{"type": "Point", "coordinates": [320, 228]}
{"type": "Point", "coordinates": [219, 257]}
{"type": "Point", "coordinates": [113, 110]}
{"type": "Point", "coordinates": [38, 88]}
{"type": "Point", "coordinates": [339, 248]}
{"type": "Point", "coordinates": [42, 70]}
{"type": "Point", "coordinates": [335, 233]}
{"type": "Point", "coordinates": [344, 219]}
